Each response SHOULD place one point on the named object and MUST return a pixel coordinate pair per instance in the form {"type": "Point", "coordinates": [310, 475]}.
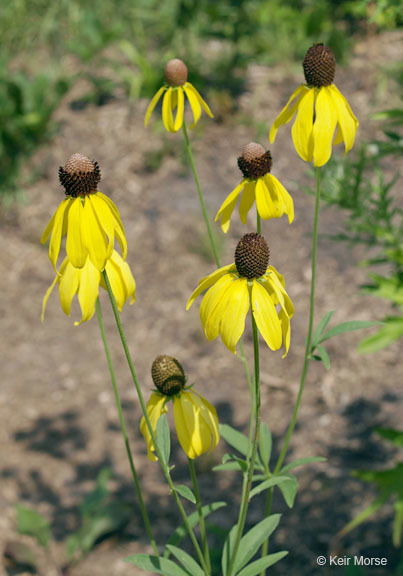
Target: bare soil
{"type": "Point", "coordinates": [59, 421]}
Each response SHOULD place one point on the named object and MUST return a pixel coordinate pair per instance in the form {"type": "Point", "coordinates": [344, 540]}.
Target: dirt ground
{"type": "Point", "coordinates": [59, 421]}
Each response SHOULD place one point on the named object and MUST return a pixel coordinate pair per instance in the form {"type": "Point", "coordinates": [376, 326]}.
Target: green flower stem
{"type": "Point", "coordinates": [310, 328]}
{"type": "Point", "coordinates": [201, 197]}
{"type": "Point", "coordinates": [203, 533]}
{"type": "Point", "coordinates": [211, 235]}
{"type": "Point", "coordinates": [258, 222]}
{"type": "Point", "coordinates": [251, 462]}
{"type": "Point", "coordinates": [146, 519]}
{"type": "Point", "coordinates": [163, 464]}
{"type": "Point", "coordinates": [291, 427]}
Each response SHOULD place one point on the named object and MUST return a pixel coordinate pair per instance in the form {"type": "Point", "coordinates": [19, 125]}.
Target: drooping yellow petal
{"type": "Point", "coordinates": [265, 316]}
{"type": "Point", "coordinates": [94, 238]}
{"type": "Point", "coordinates": [247, 200]}
{"type": "Point", "coordinates": [56, 225]}
{"type": "Point", "coordinates": [180, 109]}
{"type": "Point", "coordinates": [195, 427]}
{"type": "Point", "coordinates": [264, 203]}
{"type": "Point", "coordinates": [76, 245]}
{"type": "Point", "coordinates": [276, 281]}
{"type": "Point", "coordinates": [167, 117]}
{"type": "Point", "coordinates": [276, 188]}
{"type": "Point", "coordinates": [303, 125]}
{"type": "Point", "coordinates": [194, 104]}
{"type": "Point", "coordinates": [105, 219]}
{"type": "Point", "coordinates": [153, 104]}
{"type": "Point", "coordinates": [119, 230]}
{"type": "Point", "coordinates": [228, 206]}
{"type": "Point", "coordinates": [233, 309]}
{"type": "Point", "coordinates": [204, 104]}
{"type": "Point", "coordinates": [287, 112]}
{"type": "Point", "coordinates": [209, 281]}
{"type": "Point", "coordinates": [323, 127]}
{"type": "Point", "coordinates": [210, 307]}
{"type": "Point", "coordinates": [68, 286]}
{"type": "Point", "coordinates": [286, 328]}
{"type": "Point", "coordinates": [121, 280]}
{"type": "Point", "coordinates": [88, 291]}
{"type": "Point", "coordinates": [347, 123]}
{"type": "Point", "coordinates": [46, 297]}
{"type": "Point", "coordinates": [155, 408]}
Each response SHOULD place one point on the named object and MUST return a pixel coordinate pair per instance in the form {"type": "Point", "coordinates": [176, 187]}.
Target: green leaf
{"type": "Point", "coordinates": [253, 540]}
{"type": "Point", "coordinates": [163, 438]}
{"type": "Point", "coordinates": [186, 493]}
{"type": "Point", "coordinates": [395, 436]}
{"type": "Point", "coordinates": [344, 327]}
{"type": "Point", "coordinates": [265, 443]}
{"type": "Point", "coordinates": [398, 524]}
{"type": "Point", "coordinates": [322, 356]}
{"type": "Point", "coordinates": [235, 438]}
{"type": "Point", "coordinates": [289, 490]}
{"type": "Point", "coordinates": [233, 465]}
{"type": "Point", "coordinates": [193, 519]}
{"type": "Point", "coordinates": [364, 515]}
{"type": "Point", "coordinates": [269, 483]}
{"type": "Point", "coordinates": [302, 462]}
{"type": "Point", "coordinates": [228, 549]}
{"type": "Point", "coordinates": [156, 565]}
{"type": "Point", "coordinates": [186, 560]}
{"type": "Point", "coordinates": [320, 327]}
{"type": "Point", "coordinates": [259, 565]}
{"type": "Point", "coordinates": [31, 523]}
{"type": "Point", "coordinates": [391, 330]}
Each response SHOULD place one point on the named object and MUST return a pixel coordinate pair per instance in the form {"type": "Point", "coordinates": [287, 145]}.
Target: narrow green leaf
{"type": "Point", "coordinates": [322, 356]}
{"type": "Point", "coordinates": [391, 330]}
{"type": "Point", "coordinates": [252, 540]}
{"type": "Point", "coordinates": [398, 524]}
{"type": "Point", "coordinates": [186, 493]}
{"type": "Point", "coordinates": [302, 462]}
{"type": "Point", "coordinates": [164, 438]}
{"type": "Point", "coordinates": [347, 327]}
{"type": "Point", "coordinates": [395, 436]}
{"type": "Point", "coordinates": [289, 490]}
{"type": "Point", "coordinates": [156, 565]}
{"type": "Point", "coordinates": [238, 465]}
{"type": "Point", "coordinates": [228, 549]}
{"type": "Point", "coordinates": [261, 564]}
{"type": "Point", "coordinates": [265, 443]}
{"type": "Point", "coordinates": [186, 560]}
{"type": "Point", "coordinates": [273, 481]}
{"type": "Point", "coordinates": [31, 523]}
{"type": "Point", "coordinates": [193, 519]}
{"type": "Point", "coordinates": [320, 327]}
{"type": "Point", "coordinates": [234, 438]}
{"type": "Point", "coordinates": [363, 516]}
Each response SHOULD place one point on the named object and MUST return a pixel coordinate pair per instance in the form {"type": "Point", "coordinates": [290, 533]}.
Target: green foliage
{"type": "Point", "coordinates": [374, 219]}
{"type": "Point", "coordinates": [26, 107]}
{"type": "Point", "coordinates": [101, 515]}
{"type": "Point", "coordinates": [31, 523]}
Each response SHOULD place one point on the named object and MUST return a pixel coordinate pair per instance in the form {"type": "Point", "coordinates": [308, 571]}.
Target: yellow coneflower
{"type": "Point", "coordinates": [272, 199]}
{"type": "Point", "coordinates": [85, 283]}
{"type": "Point", "coordinates": [88, 218]}
{"type": "Point", "coordinates": [174, 90]}
{"type": "Point", "coordinates": [321, 110]}
{"type": "Point", "coordinates": [230, 290]}
{"type": "Point", "coordinates": [196, 420]}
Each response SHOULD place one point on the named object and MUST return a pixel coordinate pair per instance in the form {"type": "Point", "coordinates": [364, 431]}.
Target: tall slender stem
{"type": "Point", "coordinates": [308, 344]}
{"type": "Point", "coordinates": [258, 223]}
{"type": "Point", "coordinates": [203, 533]}
{"type": "Point", "coordinates": [143, 509]}
{"type": "Point", "coordinates": [163, 464]}
{"type": "Point", "coordinates": [201, 197]}
{"type": "Point", "coordinates": [310, 327]}
{"type": "Point", "coordinates": [251, 464]}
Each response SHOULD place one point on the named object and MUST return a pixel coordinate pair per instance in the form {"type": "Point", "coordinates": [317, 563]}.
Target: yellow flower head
{"type": "Point", "coordinates": [196, 420]}
{"type": "Point", "coordinates": [174, 90]}
{"type": "Point", "coordinates": [231, 288]}
{"type": "Point", "coordinates": [88, 218]}
{"type": "Point", "coordinates": [85, 283]}
{"type": "Point", "coordinates": [272, 199]}
{"type": "Point", "coordinates": [321, 110]}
